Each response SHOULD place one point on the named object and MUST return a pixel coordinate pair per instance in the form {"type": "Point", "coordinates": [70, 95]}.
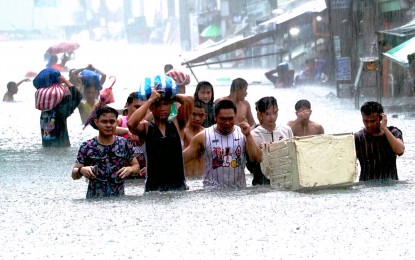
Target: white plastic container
{"type": "Point", "coordinates": [311, 161]}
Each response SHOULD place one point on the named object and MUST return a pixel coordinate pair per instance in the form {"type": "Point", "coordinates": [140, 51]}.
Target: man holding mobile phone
{"type": "Point", "coordinates": [377, 145]}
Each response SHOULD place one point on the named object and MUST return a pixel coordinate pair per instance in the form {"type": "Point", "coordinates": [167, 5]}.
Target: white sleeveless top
{"type": "Point", "coordinates": [224, 159]}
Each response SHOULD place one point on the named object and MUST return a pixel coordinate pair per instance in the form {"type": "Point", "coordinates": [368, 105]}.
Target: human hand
{"type": "Point", "coordinates": [155, 93]}
{"type": "Point", "coordinates": [124, 172]}
{"type": "Point", "coordinates": [245, 127]}
{"type": "Point", "coordinates": [383, 121]}
{"type": "Point", "coordinates": [89, 172]}
{"type": "Point", "coordinates": [143, 171]}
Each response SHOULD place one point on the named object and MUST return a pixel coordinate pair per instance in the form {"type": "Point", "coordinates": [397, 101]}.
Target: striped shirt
{"type": "Point", "coordinates": [376, 157]}
{"type": "Point", "coordinates": [224, 159]}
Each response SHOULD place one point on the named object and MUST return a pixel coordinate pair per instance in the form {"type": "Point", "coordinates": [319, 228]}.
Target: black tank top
{"type": "Point", "coordinates": [165, 169]}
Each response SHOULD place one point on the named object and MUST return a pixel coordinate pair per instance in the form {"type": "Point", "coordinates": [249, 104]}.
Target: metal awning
{"type": "Point", "coordinates": [199, 57]}
{"type": "Point", "coordinates": [401, 31]}
{"type": "Point", "coordinates": [312, 6]}
{"type": "Point", "coordinates": [239, 42]}
{"type": "Point", "coordinates": [400, 53]}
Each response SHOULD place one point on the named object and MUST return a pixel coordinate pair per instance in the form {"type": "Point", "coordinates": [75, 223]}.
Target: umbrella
{"type": "Point", "coordinates": [106, 96]}
{"type": "Point", "coordinates": [212, 30]}
{"type": "Point", "coordinates": [63, 47]}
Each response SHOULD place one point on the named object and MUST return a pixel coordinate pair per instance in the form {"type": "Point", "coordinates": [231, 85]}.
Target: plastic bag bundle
{"type": "Point", "coordinates": [165, 83]}
{"type": "Point", "coordinates": [46, 77]}
{"type": "Point", "coordinates": [90, 78]}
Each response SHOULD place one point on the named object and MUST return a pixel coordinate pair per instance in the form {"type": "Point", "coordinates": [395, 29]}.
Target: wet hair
{"type": "Point", "coordinates": [167, 68]}
{"type": "Point", "coordinates": [133, 96]}
{"type": "Point", "coordinates": [264, 103]}
{"type": "Point", "coordinates": [224, 104]}
{"type": "Point", "coordinates": [371, 107]}
{"type": "Point", "coordinates": [238, 83]}
{"type": "Point", "coordinates": [11, 85]}
{"type": "Point", "coordinates": [53, 59]}
{"type": "Point", "coordinates": [106, 110]}
{"type": "Point", "coordinates": [198, 104]}
{"type": "Point", "coordinates": [203, 85]}
{"type": "Point", "coordinates": [302, 103]}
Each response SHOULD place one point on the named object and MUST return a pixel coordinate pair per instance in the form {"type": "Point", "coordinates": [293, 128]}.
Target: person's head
{"type": "Point", "coordinates": [90, 94]}
{"type": "Point", "coordinates": [133, 103]}
{"type": "Point", "coordinates": [303, 109]}
{"type": "Point", "coordinates": [204, 92]}
{"type": "Point", "coordinates": [74, 78]}
{"type": "Point", "coordinates": [161, 109]}
{"type": "Point", "coordinates": [52, 60]}
{"type": "Point", "coordinates": [225, 113]}
{"type": "Point", "coordinates": [167, 68]}
{"type": "Point", "coordinates": [199, 113]}
{"type": "Point", "coordinates": [267, 112]}
{"type": "Point", "coordinates": [12, 87]}
{"type": "Point", "coordinates": [239, 88]}
{"type": "Point", "coordinates": [106, 121]}
{"type": "Point", "coordinates": [371, 115]}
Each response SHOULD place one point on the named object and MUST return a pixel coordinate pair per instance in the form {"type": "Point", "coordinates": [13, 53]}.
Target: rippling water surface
{"type": "Point", "coordinates": [43, 213]}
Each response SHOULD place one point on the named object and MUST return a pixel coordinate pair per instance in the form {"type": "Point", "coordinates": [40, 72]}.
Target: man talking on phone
{"type": "Point", "coordinates": [377, 145]}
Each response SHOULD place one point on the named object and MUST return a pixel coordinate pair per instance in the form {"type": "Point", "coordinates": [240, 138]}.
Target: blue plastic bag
{"type": "Point", "coordinates": [164, 83]}
{"type": "Point", "coordinates": [46, 77]}
{"type": "Point", "coordinates": [90, 78]}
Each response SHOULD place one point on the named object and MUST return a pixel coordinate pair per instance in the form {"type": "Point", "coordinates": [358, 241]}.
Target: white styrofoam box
{"type": "Point", "coordinates": [311, 161]}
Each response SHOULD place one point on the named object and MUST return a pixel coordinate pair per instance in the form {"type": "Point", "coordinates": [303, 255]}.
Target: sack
{"type": "Point", "coordinates": [164, 83]}
{"type": "Point", "coordinates": [47, 77]}
{"type": "Point", "coordinates": [180, 77]}
{"type": "Point", "coordinates": [90, 78]}
{"type": "Point", "coordinates": [48, 98]}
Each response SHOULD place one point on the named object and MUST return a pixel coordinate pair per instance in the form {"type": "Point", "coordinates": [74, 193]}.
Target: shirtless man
{"type": "Point", "coordinates": [237, 95]}
{"type": "Point", "coordinates": [12, 88]}
{"type": "Point", "coordinates": [195, 167]}
{"type": "Point", "coordinates": [302, 125]}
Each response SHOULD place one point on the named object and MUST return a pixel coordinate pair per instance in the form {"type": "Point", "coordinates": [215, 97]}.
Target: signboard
{"type": "Point", "coordinates": [343, 69]}
{"type": "Point", "coordinates": [340, 4]}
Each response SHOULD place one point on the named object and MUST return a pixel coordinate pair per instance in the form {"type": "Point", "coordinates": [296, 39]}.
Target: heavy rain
{"type": "Point", "coordinates": [337, 54]}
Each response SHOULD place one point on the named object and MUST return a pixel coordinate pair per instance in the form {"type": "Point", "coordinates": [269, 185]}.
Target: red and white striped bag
{"type": "Point", "coordinates": [179, 76]}
{"type": "Point", "coordinates": [48, 98]}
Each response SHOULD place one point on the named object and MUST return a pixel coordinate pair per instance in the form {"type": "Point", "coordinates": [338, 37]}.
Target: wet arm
{"type": "Point", "coordinates": [75, 171]}
{"type": "Point", "coordinates": [249, 117]}
{"type": "Point", "coordinates": [185, 109]}
{"type": "Point", "coordinates": [321, 129]}
{"type": "Point", "coordinates": [134, 122]}
{"type": "Point", "coordinates": [252, 149]}
{"type": "Point", "coordinates": [397, 144]}
{"type": "Point", "coordinates": [23, 80]}
{"type": "Point", "coordinates": [195, 149]}
{"type": "Point", "coordinates": [70, 102]}
{"type": "Point", "coordinates": [103, 75]}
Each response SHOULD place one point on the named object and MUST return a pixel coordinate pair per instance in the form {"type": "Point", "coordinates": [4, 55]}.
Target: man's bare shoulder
{"type": "Point", "coordinates": [316, 127]}
{"type": "Point", "coordinates": [291, 123]}
{"type": "Point", "coordinates": [314, 124]}
{"type": "Point", "coordinates": [221, 98]}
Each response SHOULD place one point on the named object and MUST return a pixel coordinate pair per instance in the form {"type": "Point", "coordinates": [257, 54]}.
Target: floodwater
{"type": "Point", "coordinates": [44, 213]}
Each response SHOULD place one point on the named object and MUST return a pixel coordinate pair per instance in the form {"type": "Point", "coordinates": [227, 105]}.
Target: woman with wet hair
{"type": "Point", "coordinates": [205, 94]}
